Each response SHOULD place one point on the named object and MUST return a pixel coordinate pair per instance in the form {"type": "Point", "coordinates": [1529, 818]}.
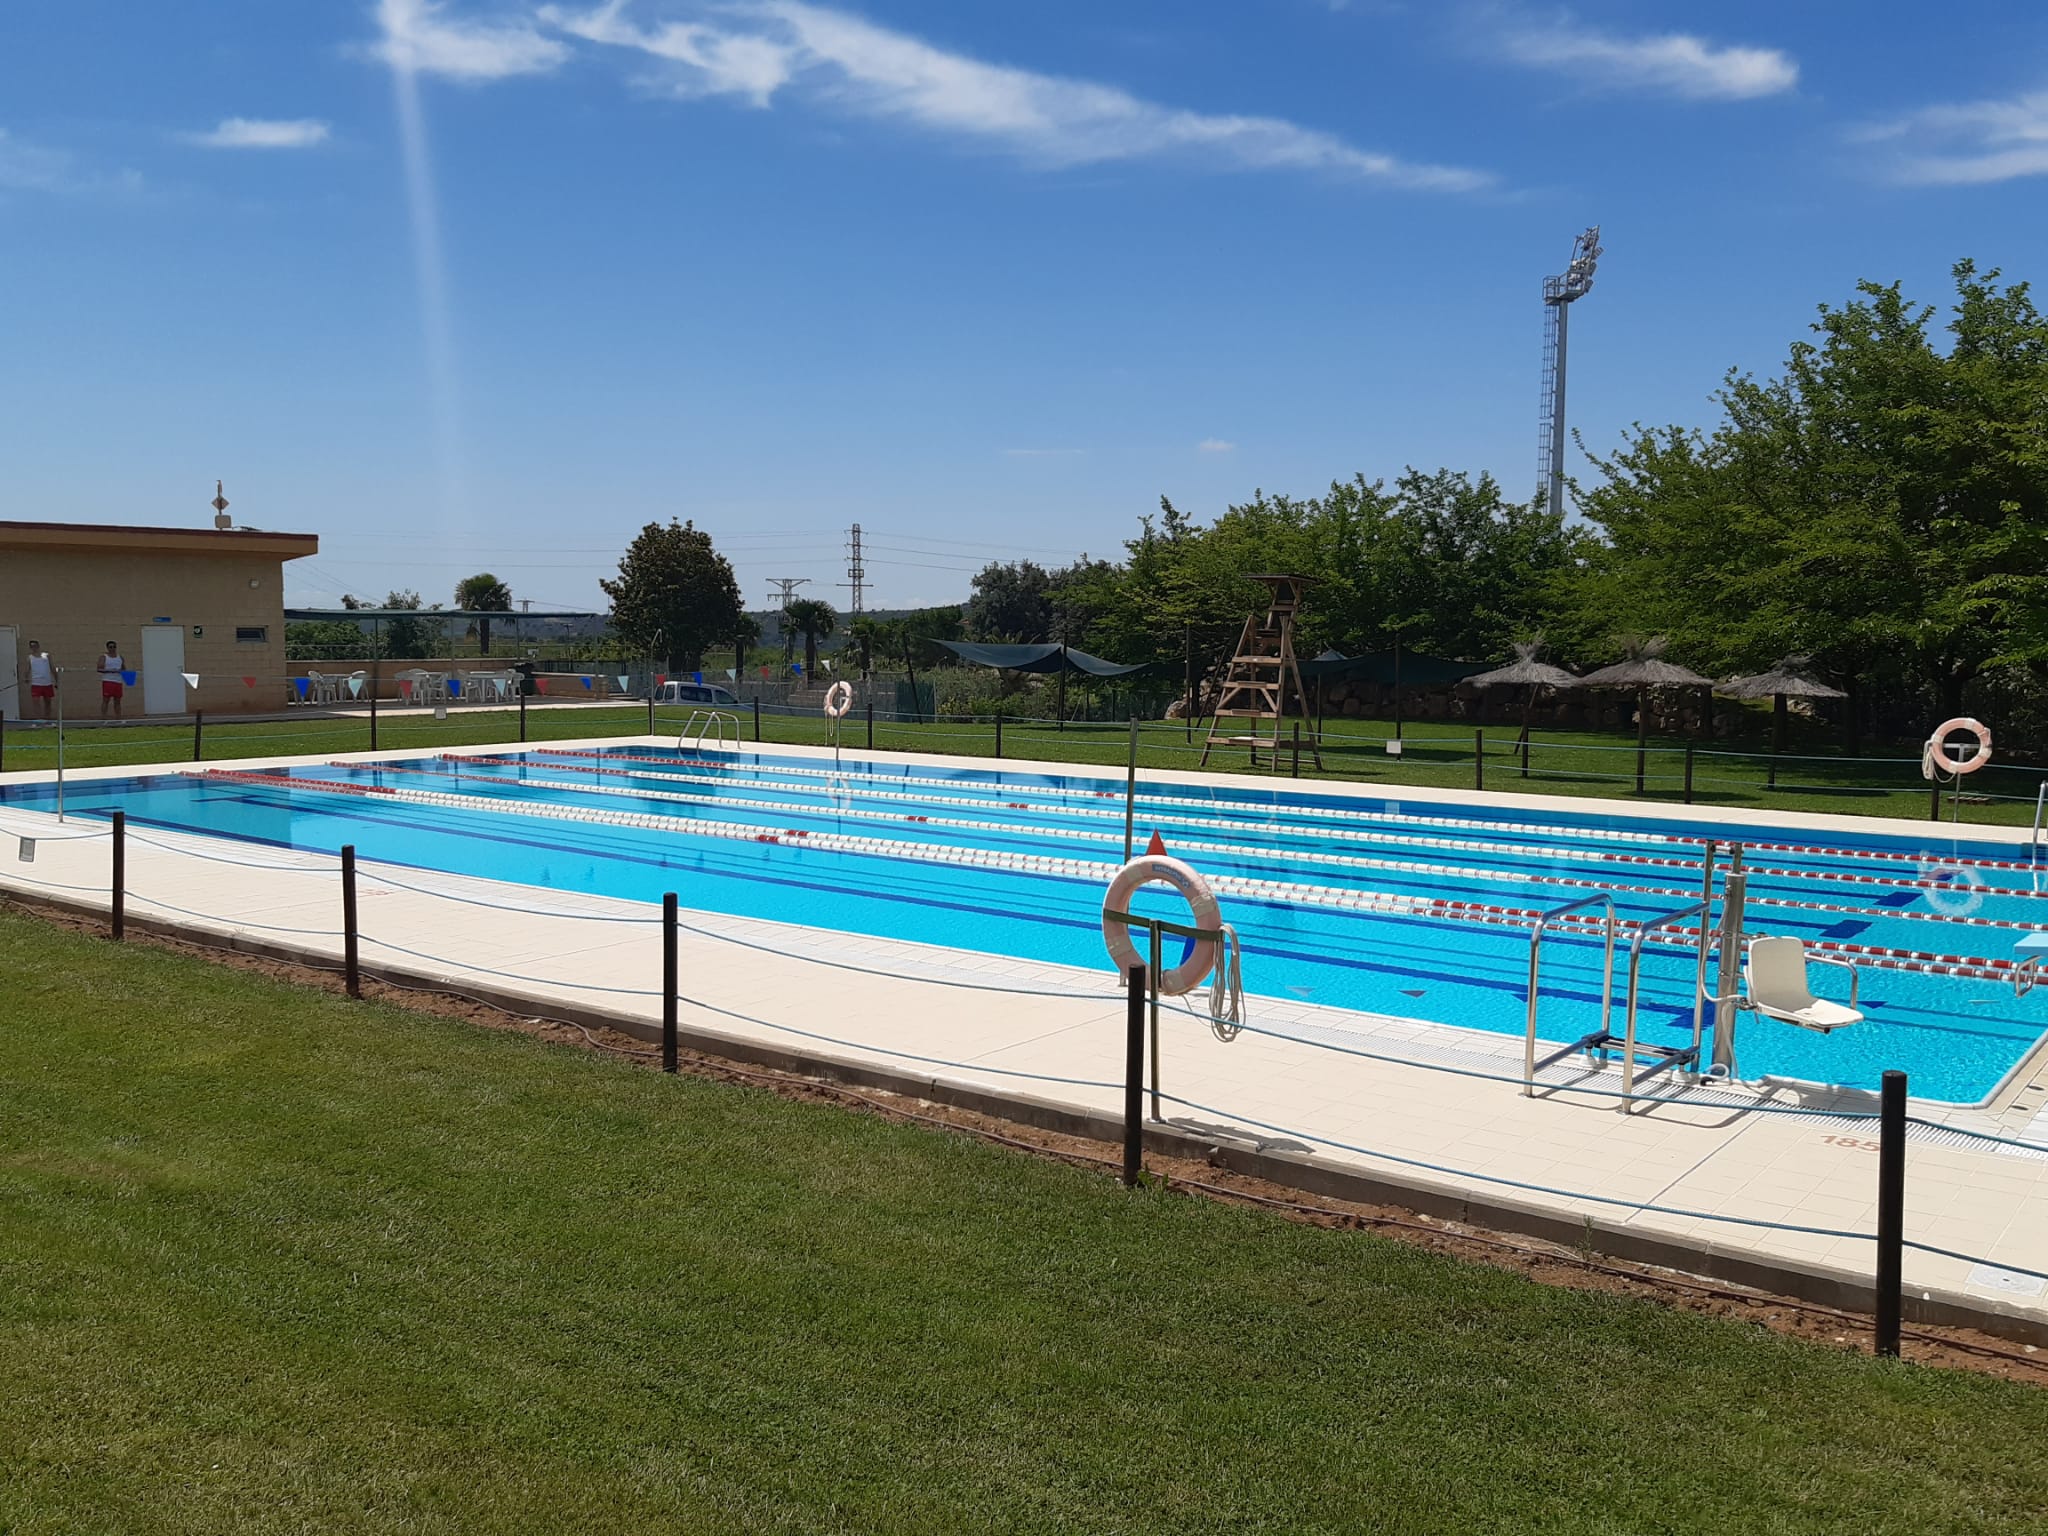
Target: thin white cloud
{"type": "Point", "coordinates": [26, 167]}
{"type": "Point", "coordinates": [756, 50]}
{"type": "Point", "coordinates": [420, 37]}
{"type": "Point", "coordinates": [1215, 445]}
{"type": "Point", "coordinates": [1671, 63]}
{"type": "Point", "coordinates": [1968, 143]}
{"type": "Point", "coordinates": [30, 167]}
{"type": "Point", "coordinates": [263, 133]}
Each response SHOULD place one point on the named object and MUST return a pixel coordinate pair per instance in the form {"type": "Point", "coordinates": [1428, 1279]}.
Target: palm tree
{"type": "Point", "coordinates": [484, 592]}
{"type": "Point", "coordinates": [813, 618]}
{"type": "Point", "coordinates": [745, 635]}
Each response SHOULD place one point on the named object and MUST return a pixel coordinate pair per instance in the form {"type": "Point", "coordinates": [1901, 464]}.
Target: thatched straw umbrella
{"type": "Point", "coordinates": [1788, 679]}
{"type": "Point", "coordinates": [1525, 672]}
{"type": "Point", "coordinates": [1643, 668]}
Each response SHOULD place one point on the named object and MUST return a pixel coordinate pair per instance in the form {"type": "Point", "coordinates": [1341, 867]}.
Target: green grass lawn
{"type": "Point", "coordinates": [273, 1262]}
{"type": "Point", "coordinates": [1436, 753]}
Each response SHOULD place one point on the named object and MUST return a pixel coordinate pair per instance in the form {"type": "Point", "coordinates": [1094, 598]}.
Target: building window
{"type": "Point", "coordinates": [252, 634]}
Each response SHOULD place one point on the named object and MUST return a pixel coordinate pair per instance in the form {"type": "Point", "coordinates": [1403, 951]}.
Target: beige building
{"type": "Point", "coordinates": [175, 601]}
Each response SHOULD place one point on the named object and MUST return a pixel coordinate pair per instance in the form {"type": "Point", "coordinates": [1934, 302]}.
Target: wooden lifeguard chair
{"type": "Point", "coordinates": [1256, 682]}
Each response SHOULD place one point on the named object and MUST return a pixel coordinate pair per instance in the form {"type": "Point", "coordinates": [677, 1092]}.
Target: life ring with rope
{"type": "Point", "coordinates": [1935, 755]}
{"type": "Point", "coordinates": [1201, 956]}
{"type": "Point", "coordinates": [838, 699]}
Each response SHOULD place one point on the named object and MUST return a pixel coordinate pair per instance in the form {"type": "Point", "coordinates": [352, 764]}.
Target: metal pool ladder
{"type": "Point", "coordinates": [1605, 1033]}
{"type": "Point", "coordinates": [1666, 1057]}
{"type": "Point", "coordinates": [707, 728]}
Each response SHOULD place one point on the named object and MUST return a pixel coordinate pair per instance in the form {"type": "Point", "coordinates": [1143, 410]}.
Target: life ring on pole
{"type": "Point", "coordinates": [1200, 959]}
{"type": "Point", "coordinates": [1935, 755]}
{"type": "Point", "coordinates": [838, 699]}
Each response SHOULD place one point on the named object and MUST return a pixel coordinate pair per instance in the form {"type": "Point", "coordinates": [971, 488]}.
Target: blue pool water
{"type": "Point", "coordinates": [1956, 1035]}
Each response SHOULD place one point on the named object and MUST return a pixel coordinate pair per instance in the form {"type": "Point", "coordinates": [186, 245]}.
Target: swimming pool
{"type": "Point", "coordinates": [1410, 908]}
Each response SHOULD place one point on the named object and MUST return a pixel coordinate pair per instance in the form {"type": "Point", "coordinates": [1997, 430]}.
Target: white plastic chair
{"type": "Point", "coordinates": [1776, 968]}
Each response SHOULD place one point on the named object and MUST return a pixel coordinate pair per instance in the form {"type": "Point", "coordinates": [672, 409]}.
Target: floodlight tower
{"type": "Point", "coordinates": [1558, 294]}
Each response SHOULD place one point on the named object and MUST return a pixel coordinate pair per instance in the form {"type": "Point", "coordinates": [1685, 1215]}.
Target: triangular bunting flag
{"type": "Point", "coordinates": [191, 679]}
{"type": "Point", "coordinates": [1156, 848]}
{"type": "Point", "coordinates": [248, 682]}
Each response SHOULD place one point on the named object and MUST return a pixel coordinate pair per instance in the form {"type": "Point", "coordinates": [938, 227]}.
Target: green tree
{"type": "Point", "coordinates": [1881, 505]}
{"type": "Point", "coordinates": [1011, 603]}
{"type": "Point", "coordinates": [406, 637]}
{"type": "Point", "coordinates": [814, 619]}
{"type": "Point", "coordinates": [675, 595]}
{"type": "Point", "coordinates": [483, 592]}
{"type": "Point", "coordinates": [324, 640]}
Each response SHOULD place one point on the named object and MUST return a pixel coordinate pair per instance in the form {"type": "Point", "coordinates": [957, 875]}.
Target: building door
{"type": "Point", "coordinates": [10, 676]}
{"type": "Point", "coordinates": [163, 669]}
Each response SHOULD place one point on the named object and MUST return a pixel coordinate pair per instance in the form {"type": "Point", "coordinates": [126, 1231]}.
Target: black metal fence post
{"type": "Point", "coordinates": [757, 719]}
{"type": "Point", "coordinates": [522, 711]}
{"type": "Point", "coordinates": [351, 972]}
{"type": "Point", "coordinates": [198, 734]}
{"type": "Point", "coordinates": [1297, 749]}
{"type": "Point", "coordinates": [1134, 1075]}
{"type": "Point", "coordinates": [871, 726]}
{"type": "Point", "coordinates": [1891, 1209]}
{"type": "Point", "coordinates": [1934, 801]}
{"type": "Point", "coordinates": [1688, 773]}
{"type": "Point", "coordinates": [3, 743]}
{"type": "Point", "coordinates": [373, 716]}
{"type": "Point", "coordinates": [668, 982]}
{"type": "Point", "coordinates": [999, 733]}
{"type": "Point", "coordinates": [118, 907]}
{"type": "Point", "coordinates": [650, 711]}
{"type": "Point", "coordinates": [1478, 758]}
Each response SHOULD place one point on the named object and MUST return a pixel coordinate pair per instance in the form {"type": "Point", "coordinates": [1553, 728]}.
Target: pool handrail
{"type": "Point", "coordinates": [1669, 1056]}
{"type": "Point", "coordinates": [1530, 1065]}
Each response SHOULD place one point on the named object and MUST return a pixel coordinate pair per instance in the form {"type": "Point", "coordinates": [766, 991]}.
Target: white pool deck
{"type": "Point", "coordinates": [879, 1004]}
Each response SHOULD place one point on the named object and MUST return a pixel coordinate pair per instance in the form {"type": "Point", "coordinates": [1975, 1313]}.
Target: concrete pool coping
{"type": "Point", "coordinates": [1708, 1159]}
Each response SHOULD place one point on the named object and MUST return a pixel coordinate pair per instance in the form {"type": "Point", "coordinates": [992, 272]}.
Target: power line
{"type": "Point", "coordinates": [786, 594]}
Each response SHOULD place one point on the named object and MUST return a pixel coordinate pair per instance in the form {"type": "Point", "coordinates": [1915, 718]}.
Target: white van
{"type": "Point", "coordinates": [707, 695]}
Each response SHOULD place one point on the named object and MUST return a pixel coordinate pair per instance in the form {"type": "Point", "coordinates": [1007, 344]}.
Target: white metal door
{"type": "Point", "coordinates": [163, 669]}
{"type": "Point", "coordinates": [10, 676]}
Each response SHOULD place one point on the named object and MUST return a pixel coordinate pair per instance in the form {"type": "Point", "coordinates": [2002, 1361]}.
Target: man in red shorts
{"type": "Point", "coordinates": [112, 684]}
{"type": "Point", "coordinates": [42, 679]}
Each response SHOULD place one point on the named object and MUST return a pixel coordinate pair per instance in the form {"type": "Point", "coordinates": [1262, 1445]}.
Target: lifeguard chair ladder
{"type": "Point", "coordinates": [1261, 671]}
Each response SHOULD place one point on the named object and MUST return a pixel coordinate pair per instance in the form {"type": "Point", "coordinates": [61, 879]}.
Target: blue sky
{"type": "Point", "coordinates": [487, 284]}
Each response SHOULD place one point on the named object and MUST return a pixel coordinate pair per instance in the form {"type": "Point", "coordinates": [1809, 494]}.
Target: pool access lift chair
{"type": "Point", "coordinates": [1778, 989]}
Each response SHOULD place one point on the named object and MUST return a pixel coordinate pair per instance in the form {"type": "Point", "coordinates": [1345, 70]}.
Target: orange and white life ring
{"type": "Point", "coordinates": [839, 698]}
{"type": "Point", "coordinates": [1935, 755]}
{"type": "Point", "coordinates": [1201, 956]}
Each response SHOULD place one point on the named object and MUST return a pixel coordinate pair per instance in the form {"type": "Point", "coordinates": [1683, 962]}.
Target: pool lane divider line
{"type": "Point", "coordinates": [1238, 850]}
{"type": "Point", "coordinates": [1279, 892]}
{"type": "Point", "coordinates": [1614, 834]}
{"type": "Point", "coordinates": [1463, 845]}
{"type": "Point", "coordinates": [1383, 817]}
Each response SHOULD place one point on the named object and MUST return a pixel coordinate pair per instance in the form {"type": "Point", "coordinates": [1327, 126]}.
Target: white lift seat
{"type": "Point", "coordinates": [1778, 989]}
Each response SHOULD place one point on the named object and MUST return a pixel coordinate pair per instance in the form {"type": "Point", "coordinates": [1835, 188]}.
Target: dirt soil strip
{"type": "Point", "coordinates": [1547, 1264]}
